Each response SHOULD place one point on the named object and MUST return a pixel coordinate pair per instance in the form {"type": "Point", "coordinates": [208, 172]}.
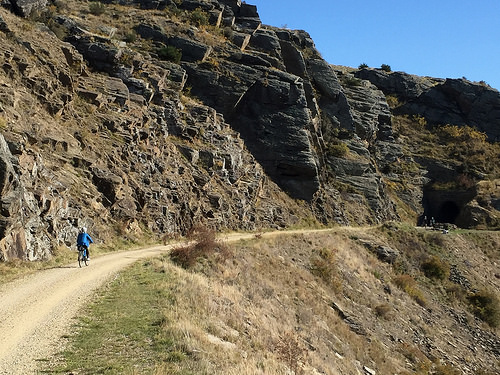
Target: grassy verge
{"type": "Point", "coordinates": [240, 315]}
{"type": "Point", "coordinates": [121, 333]}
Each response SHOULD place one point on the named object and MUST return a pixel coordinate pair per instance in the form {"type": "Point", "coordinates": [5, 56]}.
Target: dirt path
{"type": "Point", "coordinates": [37, 310]}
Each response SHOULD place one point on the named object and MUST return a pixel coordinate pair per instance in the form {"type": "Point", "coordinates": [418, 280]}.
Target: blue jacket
{"type": "Point", "coordinates": [84, 239]}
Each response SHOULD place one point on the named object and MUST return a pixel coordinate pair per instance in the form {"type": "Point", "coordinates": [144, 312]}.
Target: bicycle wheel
{"type": "Point", "coordinates": [85, 260]}
{"type": "Point", "coordinates": [80, 259]}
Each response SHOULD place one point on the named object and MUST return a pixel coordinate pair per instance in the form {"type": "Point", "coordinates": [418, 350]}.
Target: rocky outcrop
{"type": "Point", "coordinates": [273, 119]}
{"type": "Point", "coordinates": [441, 101]}
{"type": "Point", "coordinates": [460, 102]}
{"type": "Point", "coordinates": [26, 7]}
{"type": "Point", "coordinates": [406, 86]}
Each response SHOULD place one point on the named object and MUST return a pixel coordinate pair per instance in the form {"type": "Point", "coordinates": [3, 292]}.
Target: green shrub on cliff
{"type": "Point", "coordinates": [486, 306]}
{"type": "Point", "coordinates": [435, 268]}
{"type": "Point", "coordinates": [385, 67]}
{"type": "Point", "coordinates": [199, 17]}
{"type": "Point", "coordinates": [96, 8]}
{"type": "Point", "coordinates": [169, 53]}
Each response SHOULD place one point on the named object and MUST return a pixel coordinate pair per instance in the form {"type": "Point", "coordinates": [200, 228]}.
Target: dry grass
{"type": "Point", "coordinates": [267, 310]}
{"type": "Point", "coordinates": [409, 285]}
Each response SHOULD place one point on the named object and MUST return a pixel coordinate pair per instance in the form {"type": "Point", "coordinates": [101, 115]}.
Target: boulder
{"type": "Point", "coordinates": [192, 51]}
{"type": "Point", "coordinates": [250, 59]}
{"type": "Point", "coordinates": [153, 32]}
{"type": "Point", "coordinates": [4, 27]}
{"type": "Point", "coordinates": [103, 90]}
{"type": "Point", "coordinates": [241, 40]}
{"type": "Point", "coordinates": [100, 53]}
{"type": "Point", "coordinates": [266, 41]}
{"type": "Point", "coordinates": [383, 252]}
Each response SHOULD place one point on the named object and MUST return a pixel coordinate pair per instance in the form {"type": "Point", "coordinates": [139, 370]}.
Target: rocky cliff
{"type": "Point", "coordinates": [143, 117]}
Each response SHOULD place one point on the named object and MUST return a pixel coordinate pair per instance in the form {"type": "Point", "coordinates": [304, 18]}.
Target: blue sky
{"type": "Point", "coordinates": [437, 38]}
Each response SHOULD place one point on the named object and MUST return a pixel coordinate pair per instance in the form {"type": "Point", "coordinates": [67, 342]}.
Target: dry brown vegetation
{"type": "Point", "coordinates": [315, 304]}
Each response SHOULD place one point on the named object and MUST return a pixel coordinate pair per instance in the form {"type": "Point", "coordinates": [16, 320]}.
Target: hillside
{"type": "Point", "coordinates": [383, 300]}
{"type": "Point", "coordinates": [141, 118]}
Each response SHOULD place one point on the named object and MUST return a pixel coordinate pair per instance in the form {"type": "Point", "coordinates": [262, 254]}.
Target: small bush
{"type": "Point", "coordinates": [409, 285]}
{"type": "Point", "coordinates": [199, 17]}
{"type": "Point", "coordinates": [130, 37]}
{"type": "Point", "coordinates": [454, 133]}
{"type": "Point", "coordinates": [204, 245]}
{"type": "Point", "coordinates": [363, 66]}
{"type": "Point", "coordinates": [352, 81]}
{"type": "Point", "coordinates": [486, 306]}
{"type": "Point", "coordinates": [435, 268]}
{"type": "Point", "coordinates": [169, 53]}
{"type": "Point", "coordinates": [385, 67]}
{"type": "Point", "coordinates": [290, 351]}
{"type": "Point", "coordinates": [3, 124]}
{"type": "Point", "coordinates": [324, 266]}
{"type": "Point", "coordinates": [96, 8]}
{"type": "Point", "coordinates": [337, 150]}
{"type": "Point", "coordinates": [383, 311]}
{"type": "Point", "coordinates": [393, 101]}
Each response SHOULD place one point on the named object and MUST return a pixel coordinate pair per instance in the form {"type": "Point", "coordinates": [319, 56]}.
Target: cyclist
{"type": "Point", "coordinates": [84, 240]}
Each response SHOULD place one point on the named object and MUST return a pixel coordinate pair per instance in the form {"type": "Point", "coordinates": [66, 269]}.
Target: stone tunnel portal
{"type": "Point", "coordinates": [446, 206]}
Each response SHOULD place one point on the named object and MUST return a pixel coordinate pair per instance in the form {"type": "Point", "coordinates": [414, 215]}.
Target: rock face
{"type": "Point", "coordinates": [26, 7]}
{"type": "Point", "coordinates": [273, 119]}
{"type": "Point", "coordinates": [442, 101]}
{"type": "Point", "coordinates": [460, 102]}
{"type": "Point", "coordinates": [162, 123]}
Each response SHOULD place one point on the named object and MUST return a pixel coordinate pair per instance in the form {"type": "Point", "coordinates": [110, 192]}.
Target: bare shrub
{"type": "Point", "coordinates": [383, 310]}
{"type": "Point", "coordinates": [203, 244]}
{"type": "Point", "coordinates": [289, 350]}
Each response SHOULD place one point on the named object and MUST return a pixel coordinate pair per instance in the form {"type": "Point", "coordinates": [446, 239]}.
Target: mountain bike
{"type": "Point", "coordinates": [82, 256]}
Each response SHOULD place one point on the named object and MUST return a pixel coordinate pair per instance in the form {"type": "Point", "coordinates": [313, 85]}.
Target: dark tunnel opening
{"type": "Point", "coordinates": [448, 212]}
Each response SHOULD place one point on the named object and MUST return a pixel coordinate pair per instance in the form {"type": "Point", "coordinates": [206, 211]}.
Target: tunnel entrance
{"type": "Point", "coordinates": [448, 212]}
{"type": "Point", "coordinates": [446, 206]}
